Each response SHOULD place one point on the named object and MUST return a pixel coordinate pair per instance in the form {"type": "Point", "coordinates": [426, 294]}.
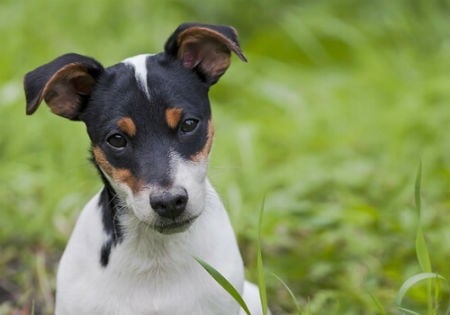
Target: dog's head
{"type": "Point", "coordinates": [148, 119]}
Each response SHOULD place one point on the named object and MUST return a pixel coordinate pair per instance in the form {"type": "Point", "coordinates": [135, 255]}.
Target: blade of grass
{"type": "Point", "coordinates": [378, 304]}
{"type": "Point", "coordinates": [224, 283]}
{"type": "Point", "coordinates": [437, 295]}
{"type": "Point", "coordinates": [409, 283]}
{"type": "Point", "coordinates": [423, 255]}
{"type": "Point", "coordinates": [407, 311]}
{"type": "Point", "coordinates": [260, 265]}
{"type": "Point", "coordinates": [294, 299]}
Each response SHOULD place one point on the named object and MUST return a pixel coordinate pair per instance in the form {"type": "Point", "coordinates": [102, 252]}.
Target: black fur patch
{"type": "Point", "coordinates": [105, 252]}
{"type": "Point", "coordinates": [109, 205]}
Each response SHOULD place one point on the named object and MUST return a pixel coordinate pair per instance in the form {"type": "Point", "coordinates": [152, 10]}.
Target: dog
{"type": "Point", "coordinates": [149, 122]}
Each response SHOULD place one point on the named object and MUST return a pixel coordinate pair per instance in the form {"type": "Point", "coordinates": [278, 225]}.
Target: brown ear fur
{"type": "Point", "coordinates": [64, 84]}
{"type": "Point", "coordinates": [65, 90]}
{"type": "Point", "coordinates": [205, 48]}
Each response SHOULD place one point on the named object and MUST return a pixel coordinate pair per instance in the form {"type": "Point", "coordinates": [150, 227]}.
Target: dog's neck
{"type": "Point", "coordinates": [122, 226]}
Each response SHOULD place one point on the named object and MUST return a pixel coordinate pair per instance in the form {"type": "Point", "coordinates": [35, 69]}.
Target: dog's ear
{"type": "Point", "coordinates": [64, 84]}
{"type": "Point", "coordinates": [204, 48]}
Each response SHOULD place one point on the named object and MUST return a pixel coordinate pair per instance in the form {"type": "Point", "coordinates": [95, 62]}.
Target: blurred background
{"type": "Point", "coordinates": [325, 125]}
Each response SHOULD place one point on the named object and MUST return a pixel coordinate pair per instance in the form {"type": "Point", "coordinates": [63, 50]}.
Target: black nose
{"type": "Point", "coordinates": [169, 203]}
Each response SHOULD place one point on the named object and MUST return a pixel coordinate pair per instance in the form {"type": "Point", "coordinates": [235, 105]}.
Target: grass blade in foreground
{"type": "Point", "coordinates": [260, 266]}
{"type": "Point", "coordinates": [423, 255]}
{"type": "Point", "coordinates": [224, 283]}
{"type": "Point", "coordinates": [378, 304]}
{"type": "Point", "coordinates": [408, 284]}
{"type": "Point", "coordinates": [294, 299]}
{"type": "Point", "coordinates": [407, 311]}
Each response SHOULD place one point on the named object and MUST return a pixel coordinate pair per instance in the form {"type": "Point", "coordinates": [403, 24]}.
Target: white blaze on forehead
{"type": "Point", "coordinates": [139, 63]}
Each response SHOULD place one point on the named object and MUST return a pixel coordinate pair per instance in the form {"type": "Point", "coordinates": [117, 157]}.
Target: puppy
{"type": "Point", "coordinates": [149, 121]}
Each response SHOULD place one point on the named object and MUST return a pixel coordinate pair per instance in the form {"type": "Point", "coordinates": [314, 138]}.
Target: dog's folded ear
{"type": "Point", "coordinates": [64, 84]}
{"type": "Point", "coordinates": [204, 48]}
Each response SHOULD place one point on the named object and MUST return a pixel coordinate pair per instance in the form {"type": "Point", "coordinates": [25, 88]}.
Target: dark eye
{"type": "Point", "coordinates": [188, 125]}
{"type": "Point", "coordinates": [117, 141]}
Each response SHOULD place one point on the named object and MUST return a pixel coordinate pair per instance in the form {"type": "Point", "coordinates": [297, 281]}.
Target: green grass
{"type": "Point", "coordinates": [327, 122]}
{"type": "Point", "coordinates": [433, 287]}
{"type": "Point", "coordinates": [225, 284]}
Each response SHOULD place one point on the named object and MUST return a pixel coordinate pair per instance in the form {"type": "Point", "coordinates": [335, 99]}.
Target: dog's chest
{"type": "Point", "coordinates": [166, 280]}
{"type": "Point", "coordinates": [147, 274]}
{"type": "Point", "coordinates": [162, 292]}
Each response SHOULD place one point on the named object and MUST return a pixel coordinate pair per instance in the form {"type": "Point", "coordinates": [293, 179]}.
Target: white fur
{"type": "Point", "coordinates": [151, 273]}
{"type": "Point", "coordinates": [140, 69]}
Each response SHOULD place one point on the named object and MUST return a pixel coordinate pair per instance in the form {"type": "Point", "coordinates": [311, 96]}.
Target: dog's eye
{"type": "Point", "coordinates": [188, 125]}
{"type": "Point", "coordinates": [117, 140]}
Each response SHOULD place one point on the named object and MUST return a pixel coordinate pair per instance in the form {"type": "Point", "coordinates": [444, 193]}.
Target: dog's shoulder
{"type": "Point", "coordinates": [86, 237]}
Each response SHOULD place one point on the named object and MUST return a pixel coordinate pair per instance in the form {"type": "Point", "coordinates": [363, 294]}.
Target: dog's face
{"type": "Point", "coordinates": [151, 134]}
{"type": "Point", "coordinates": [148, 118]}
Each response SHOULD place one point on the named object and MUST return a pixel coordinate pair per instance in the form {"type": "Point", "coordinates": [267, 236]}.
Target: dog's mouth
{"type": "Point", "coordinates": [173, 227]}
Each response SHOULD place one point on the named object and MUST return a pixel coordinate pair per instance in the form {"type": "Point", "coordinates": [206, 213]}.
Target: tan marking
{"type": "Point", "coordinates": [173, 117]}
{"type": "Point", "coordinates": [99, 157]}
{"type": "Point", "coordinates": [125, 176]}
{"type": "Point", "coordinates": [203, 154]}
{"type": "Point", "coordinates": [126, 124]}
{"type": "Point", "coordinates": [117, 174]}
{"type": "Point", "coordinates": [63, 91]}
